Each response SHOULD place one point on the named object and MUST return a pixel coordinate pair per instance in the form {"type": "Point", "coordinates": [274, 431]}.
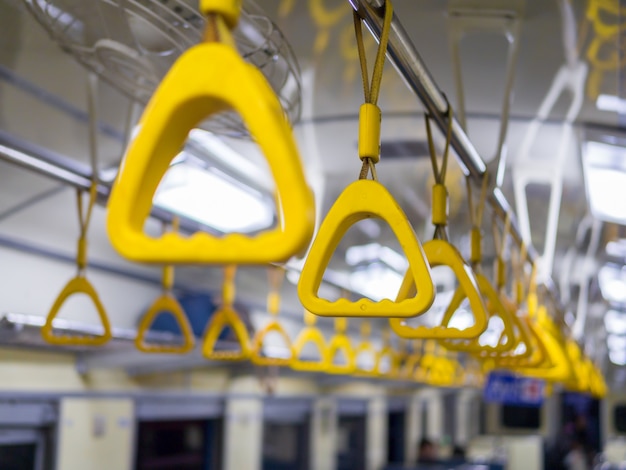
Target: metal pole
{"type": "Point", "coordinates": [407, 61]}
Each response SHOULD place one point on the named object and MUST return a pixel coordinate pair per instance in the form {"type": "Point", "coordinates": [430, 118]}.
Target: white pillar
{"type": "Point", "coordinates": [243, 426]}
{"type": "Point", "coordinates": [376, 435]}
{"type": "Point", "coordinates": [435, 415]}
{"type": "Point", "coordinates": [324, 423]}
{"type": "Point", "coordinates": [413, 428]}
{"type": "Point", "coordinates": [96, 434]}
{"type": "Point", "coordinates": [467, 416]}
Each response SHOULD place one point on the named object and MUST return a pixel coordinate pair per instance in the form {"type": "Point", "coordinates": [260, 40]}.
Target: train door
{"type": "Point", "coordinates": [396, 425]}
{"type": "Point", "coordinates": [185, 436]}
{"type": "Point", "coordinates": [351, 437]}
{"type": "Point", "coordinates": [286, 424]}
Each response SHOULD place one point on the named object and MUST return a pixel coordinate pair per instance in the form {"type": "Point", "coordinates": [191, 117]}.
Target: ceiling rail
{"type": "Point", "coordinates": [406, 59]}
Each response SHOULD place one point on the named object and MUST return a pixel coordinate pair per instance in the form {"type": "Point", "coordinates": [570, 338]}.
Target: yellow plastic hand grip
{"type": "Point", "coordinates": [77, 285]}
{"type": "Point", "coordinates": [361, 200]}
{"type": "Point", "coordinates": [535, 354]}
{"type": "Point", "coordinates": [559, 368]}
{"type": "Point", "coordinates": [495, 307]}
{"type": "Point", "coordinates": [365, 349]}
{"type": "Point", "coordinates": [165, 303]}
{"type": "Point", "coordinates": [226, 317]}
{"type": "Point", "coordinates": [312, 335]}
{"type": "Point", "coordinates": [191, 92]}
{"type": "Point", "coordinates": [441, 253]}
{"type": "Point", "coordinates": [340, 343]}
{"type": "Point", "coordinates": [257, 346]}
{"type": "Point", "coordinates": [387, 355]}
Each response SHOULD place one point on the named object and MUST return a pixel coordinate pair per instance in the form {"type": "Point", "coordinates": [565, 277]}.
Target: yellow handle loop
{"type": "Point", "coordinates": [166, 302]}
{"type": "Point", "coordinates": [439, 191]}
{"type": "Point", "coordinates": [275, 277]}
{"type": "Point", "coordinates": [310, 335]}
{"type": "Point", "coordinates": [79, 284]}
{"type": "Point", "coordinates": [370, 114]}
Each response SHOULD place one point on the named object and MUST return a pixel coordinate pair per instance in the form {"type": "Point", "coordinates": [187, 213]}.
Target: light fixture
{"type": "Point", "coordinates": [611, 103]}
{"type": "Point", "coordinates": [616, 342]}
{"type": "Point", "coordinates": [615, 322]}
{"type": "Point", "coordinates": [376, 281]}
{"type": "Point", "coordinates": [612, 280]}
{"type": "Point", "coordinates": [617, 357]}
{"type": "Point", "coordinates": [492, 335]}
{"type": "Point", "coordinates": [376, 252]}
{"type": "Point", "coordinates": [212, 198]}
{"type": "Point", "coordinates": [616, 248]}
{"type": "Point", "coordinates": [462, 318]}
{"type": "Point", "coordinates": [604, 166]}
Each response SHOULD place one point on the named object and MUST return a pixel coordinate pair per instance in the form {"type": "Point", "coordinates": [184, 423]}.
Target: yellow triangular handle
{"type": "Point", "coordinates": [442, 253]}
{"type": "Point", "coordinates": [494, 308]}
{"type": "Point", "coordinates": [166, 303]}
{"type": "Point", "coordinates": [191, 92]}
{"type": "Point", "coordinates": [559, 368]}
{"type": "Point", "coordinates": [361, 200]}
{"type": "Point", "coordinates": [387, 353]}
{"type": "Point", "coordinates": [77, 285]}
{"type": "Point", "coordinates": [365, 348]}
{"type": "Point", "coordinates": [226, 317]}
{"type": "Point", "coordinates": [340, 343]}
{"type": "Point", "coordinates": [534, 355]}
{"type": "Point", "coordinates": [257, 346]}
{"type": "Point", "coordinates": [312, 335]}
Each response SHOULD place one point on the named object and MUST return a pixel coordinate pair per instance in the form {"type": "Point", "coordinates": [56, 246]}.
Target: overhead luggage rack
{"type": "Point", "coordinates": [404, 56]}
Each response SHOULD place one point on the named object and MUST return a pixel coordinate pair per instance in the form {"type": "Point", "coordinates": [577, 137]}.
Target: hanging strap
{"type": "Point", "coordinates": [440, 192]}
{"type": "Point", "coordinates": [228, 287]}
{"type": "Point", "coordinates": [221, 15]}
{"type": "Point", "coordinates": [500, 244]}
{"type": "Point", "coordinates": [275, 276]}
{"type": "Point", "coordinates": [167, 280]}
{"type": "Point", "coordinates": [476, 219]}
{"type": "Point", "coordinates": [369, 114]}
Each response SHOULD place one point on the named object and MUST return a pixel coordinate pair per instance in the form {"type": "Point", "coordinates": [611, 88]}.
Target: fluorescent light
{"type": "Point", "coordinates": [605, 178]}
{"type": "Point", "coordinates": [376, 281]}
{"type": "Point", "coordinates": [612, 280]}
{"type": "Point", "coordinates": [213, 199]}
{"type": "Point", "coordinates": [376, 252]}
{"type": "Point", "coordinates": [617, 357]}
{"type": "Point", "coordinates": [245, 163]}
{"type": "Point", "coordinates": [616, 249]}
{"type": "Point", "coordinates": [611, 103]}
{"type": "Point", "coordinates": [615, 322]}
{"type": "Point", "coordinates": [462, 319]}
{"type": "Point", "coordinates": [616, 342]}
{"type": "Point", "coordinates": [493, 333]}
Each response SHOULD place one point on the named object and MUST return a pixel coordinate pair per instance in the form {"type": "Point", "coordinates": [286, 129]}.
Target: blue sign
{"type": "Point", "coordinates": [509, 389]}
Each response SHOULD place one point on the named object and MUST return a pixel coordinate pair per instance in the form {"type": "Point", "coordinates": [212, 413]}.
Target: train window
{"type": "Point", "coordinates": [521, 417]}
{"type": "Point", "coordinates": [619, 417]}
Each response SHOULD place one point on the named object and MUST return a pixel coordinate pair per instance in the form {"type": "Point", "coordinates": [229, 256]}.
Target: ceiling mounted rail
{"type": "Point", "coordinates": [404, 56]}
